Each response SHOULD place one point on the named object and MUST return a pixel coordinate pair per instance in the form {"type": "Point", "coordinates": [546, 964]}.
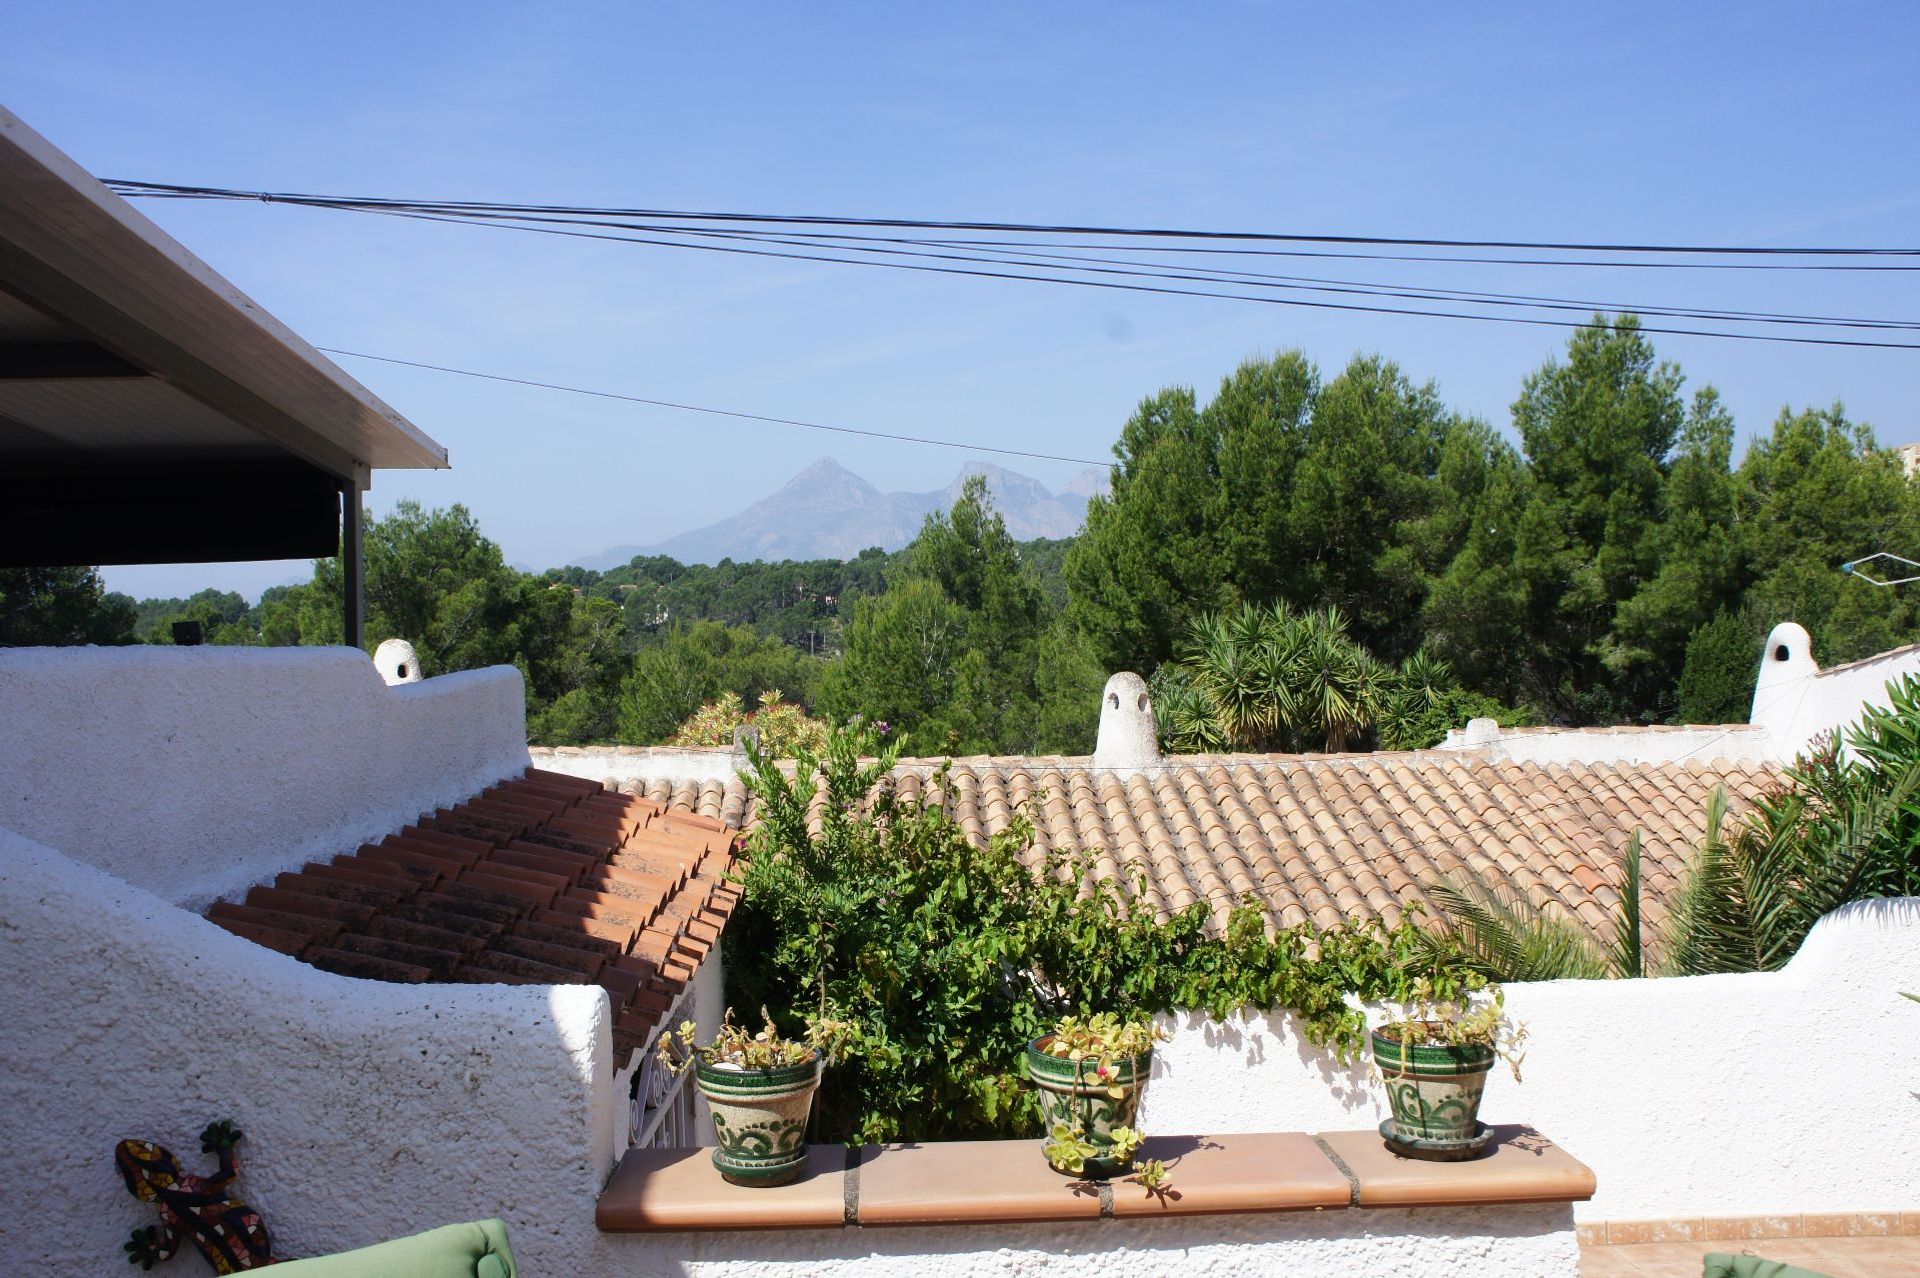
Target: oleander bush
{"type": "Point", "coordinates": [933, 962]}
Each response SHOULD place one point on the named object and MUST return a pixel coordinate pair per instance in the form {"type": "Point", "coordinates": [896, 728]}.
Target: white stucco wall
{"type": "Point", "coordinates": [370, 1110]}
{"type": "Point", "coordinates": [1513, 1242]}
{"type": "Point", "coordinates": [196, 771]}
{"type": "Point", "coordinates": [1795, 700]}
{"type": "Point", "coordinates": [622, 764]}
{"type": "Point", "coordinates": [1694, 743]}
{"type": "Point", "coordinates": [1789, 1091]}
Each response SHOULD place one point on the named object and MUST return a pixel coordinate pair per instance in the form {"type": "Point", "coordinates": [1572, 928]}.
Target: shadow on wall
{"type": "Point", "coordinates": [1248, 1041]}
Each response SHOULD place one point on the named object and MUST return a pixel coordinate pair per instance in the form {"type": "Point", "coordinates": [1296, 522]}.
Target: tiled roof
{"type": "Point", "coordinates": [543, 879]}
{"type": "Point", "coordinates": [1892, 654]}
{"type": "Point", "coordinates": [1321, 838]}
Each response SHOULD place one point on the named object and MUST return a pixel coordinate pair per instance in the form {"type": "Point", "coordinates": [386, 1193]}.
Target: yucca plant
{"type": "Point", "coordinates": [1264, 677]}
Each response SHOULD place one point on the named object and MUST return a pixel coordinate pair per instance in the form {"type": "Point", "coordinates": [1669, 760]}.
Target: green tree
{"type": "Point", "coordinates": [224, 617]}
{"type": "Point", "coordinates": [1474, 617]}
{"type": "Point", "coordinates": [902, 650]}
{"type": "Point", "coordinates": [1700, 549]}
{"type": "Point", "coordinates": [698, 663]}
{"type": "Point", "coordinates": [1597, 430]}
{"type": "Point", "coordinates": [58, 606]}
{"type": "Point", "coordinates": [1813, 495]}
{"type": "Point", "coordinates": [1723, 660]}
{"type": "Point", "coordinates": [1359, 535]}
{"type": "Point", "coordinates": [950, 653]}
{"type": "Point", "coordinates": [1149, 558]}
{"type": "Point", "coordinates": [433, 579]}
{"type": "Point", "coordinates": [1280, 488]}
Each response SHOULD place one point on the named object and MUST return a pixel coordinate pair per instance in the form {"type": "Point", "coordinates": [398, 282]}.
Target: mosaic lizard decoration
{"type": "Point", "coordinates": [201, 1209]}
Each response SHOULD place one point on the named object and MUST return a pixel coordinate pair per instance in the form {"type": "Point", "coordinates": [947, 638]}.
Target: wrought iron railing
{"type": "Point", "coordinates": [661, 1114]}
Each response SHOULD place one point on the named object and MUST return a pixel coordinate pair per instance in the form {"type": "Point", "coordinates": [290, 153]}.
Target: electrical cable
{"type": "Point", "coordinates": [135, 190]}
{"type": "Point", "coordinates": [1316, 284]}
{"type": "Point", "coordinates": [1140, 288]}
{"type": "Point", "coordinates": [716, 412]}
{"type": "Point", "coordinates": [128, 186]}
{"type": "Point", "coordinates": [1170, 271]}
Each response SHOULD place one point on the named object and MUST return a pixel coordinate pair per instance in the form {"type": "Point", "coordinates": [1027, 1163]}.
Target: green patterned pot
{"type": "Point", "coordinates": [1068, 1094]}
{"type": "Point", "coordinates": [1434, 1093]}
{"type": "Point", "coordinates": [760, 1119]}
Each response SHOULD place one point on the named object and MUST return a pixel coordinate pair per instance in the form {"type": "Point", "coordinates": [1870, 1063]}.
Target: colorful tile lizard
{"type": "Point", "coordinates": [200, 1209]}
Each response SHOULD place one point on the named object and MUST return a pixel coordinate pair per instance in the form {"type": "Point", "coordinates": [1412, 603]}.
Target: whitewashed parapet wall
{"type": "Point", "coordinates": [373, 1111]}
{"type": "Point", "coordinates": [196, 771]}
{"type": "Point", "coordinates": [640, 765]}
{"type": "Point", "coordinates": [370, 1110]}
{"type": "Point", "coordinates": [1754, 1094]}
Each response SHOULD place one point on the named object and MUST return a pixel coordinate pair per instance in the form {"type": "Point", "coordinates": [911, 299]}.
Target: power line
{"type": "Point", "coordinates": [1166, 271]}
{"type": "Point", "coordinates": [1319, 284]}
{"type": "Point", "coordinates": [716, 412]}
{"type": "Point", "coordinates": [1125, 287]}
{"type": "Point", "coordinates": [129, 187]}
{"type": "Point", "coordinates": [1053, 268]}
{"type": "Point", "coordinates": [137, 190]}
{"type": "Point", "coordinates": [1386, 257]}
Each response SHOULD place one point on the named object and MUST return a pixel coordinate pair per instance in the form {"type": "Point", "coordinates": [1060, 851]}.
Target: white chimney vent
{"type": "Point", "coordinates": [397, 662]}
{"type": "Point", "coordinates": [1129, 738]}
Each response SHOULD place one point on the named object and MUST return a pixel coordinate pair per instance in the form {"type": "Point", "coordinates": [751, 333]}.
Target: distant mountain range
{"type": "Point", "coordinates": [828, 512]}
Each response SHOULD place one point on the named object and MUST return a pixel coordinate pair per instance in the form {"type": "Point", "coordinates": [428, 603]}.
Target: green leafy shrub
{"type": "Point", "coordinates": [937, 961]}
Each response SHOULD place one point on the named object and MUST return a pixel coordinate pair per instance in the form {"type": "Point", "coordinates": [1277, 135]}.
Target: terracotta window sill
{"type": "Point", "coordinates": [979, 1181]}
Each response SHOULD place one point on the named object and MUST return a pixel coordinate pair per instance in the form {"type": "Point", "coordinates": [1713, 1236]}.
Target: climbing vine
{"type": "Point", "coordinates": [935, 960]}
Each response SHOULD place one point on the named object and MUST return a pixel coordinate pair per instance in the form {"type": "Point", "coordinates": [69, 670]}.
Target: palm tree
{"type": "Point", "coordinates": [1845, 828]}
{"type": "Point", "coordinates": [1506, 938]}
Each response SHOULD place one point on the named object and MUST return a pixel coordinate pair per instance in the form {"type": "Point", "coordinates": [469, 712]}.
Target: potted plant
{"type": "Point", "coordinates": [759, 1087]}
{"type": "Point", "coordinates": [1090, 1074]}
{"type": "Point", "coordinates": [1434, 1058]}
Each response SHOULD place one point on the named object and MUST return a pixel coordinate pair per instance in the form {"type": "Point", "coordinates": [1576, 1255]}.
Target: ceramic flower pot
{"type": "Point", "coordinates": [1434, 1092]}
{"type": "Point", "coordinates": [1072, 1093]}
{"type": "Point", "coordinates": [760, 1119]}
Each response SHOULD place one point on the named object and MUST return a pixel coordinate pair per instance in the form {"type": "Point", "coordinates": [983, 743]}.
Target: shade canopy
{"type": "Point", "coordinates": [151, 412]}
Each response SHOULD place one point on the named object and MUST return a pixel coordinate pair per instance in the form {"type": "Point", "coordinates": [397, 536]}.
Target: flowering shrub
{"type": "Point", "coordinates": [786, 730]}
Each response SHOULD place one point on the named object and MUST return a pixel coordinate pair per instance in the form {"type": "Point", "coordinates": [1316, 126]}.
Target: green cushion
{"type": "Point", "coordinates": [477, 1249]}
{"type": "Point", "coordinates": [1719, 1264]}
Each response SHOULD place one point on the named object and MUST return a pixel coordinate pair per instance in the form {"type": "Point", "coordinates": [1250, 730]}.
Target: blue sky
{"type": "Point", "coordinates": [1750, 124]}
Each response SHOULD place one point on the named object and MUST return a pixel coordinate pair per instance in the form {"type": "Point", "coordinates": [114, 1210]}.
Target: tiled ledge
{"type": "Point", "coordinates": [967, 1182]}
{"type": "Point", "coordinates": [1853, 1224]}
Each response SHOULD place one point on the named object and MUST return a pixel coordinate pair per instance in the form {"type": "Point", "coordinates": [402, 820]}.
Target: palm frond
{"type": "Point", "coordinates": [1506, 939]}
{"type": "Point", "coordinates": [1626, 949]}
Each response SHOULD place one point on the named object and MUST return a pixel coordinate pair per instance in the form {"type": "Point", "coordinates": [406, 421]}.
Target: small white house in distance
{"type": "Point", "coordinates": [1796, 701]}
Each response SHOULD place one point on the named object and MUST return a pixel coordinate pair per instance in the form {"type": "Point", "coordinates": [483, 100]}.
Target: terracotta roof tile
{"type": "Point", "coordinates": [540, 879]}
{"type": "Point", "coordinates": [1325, 838]}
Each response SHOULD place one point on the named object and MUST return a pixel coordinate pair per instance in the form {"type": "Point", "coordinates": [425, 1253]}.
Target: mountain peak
{"type": "Point", "coordinates": [828, 512]}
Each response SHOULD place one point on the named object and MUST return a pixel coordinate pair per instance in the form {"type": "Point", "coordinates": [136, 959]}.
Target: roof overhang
{"type": "Point", "coordinates": [122, 354]}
